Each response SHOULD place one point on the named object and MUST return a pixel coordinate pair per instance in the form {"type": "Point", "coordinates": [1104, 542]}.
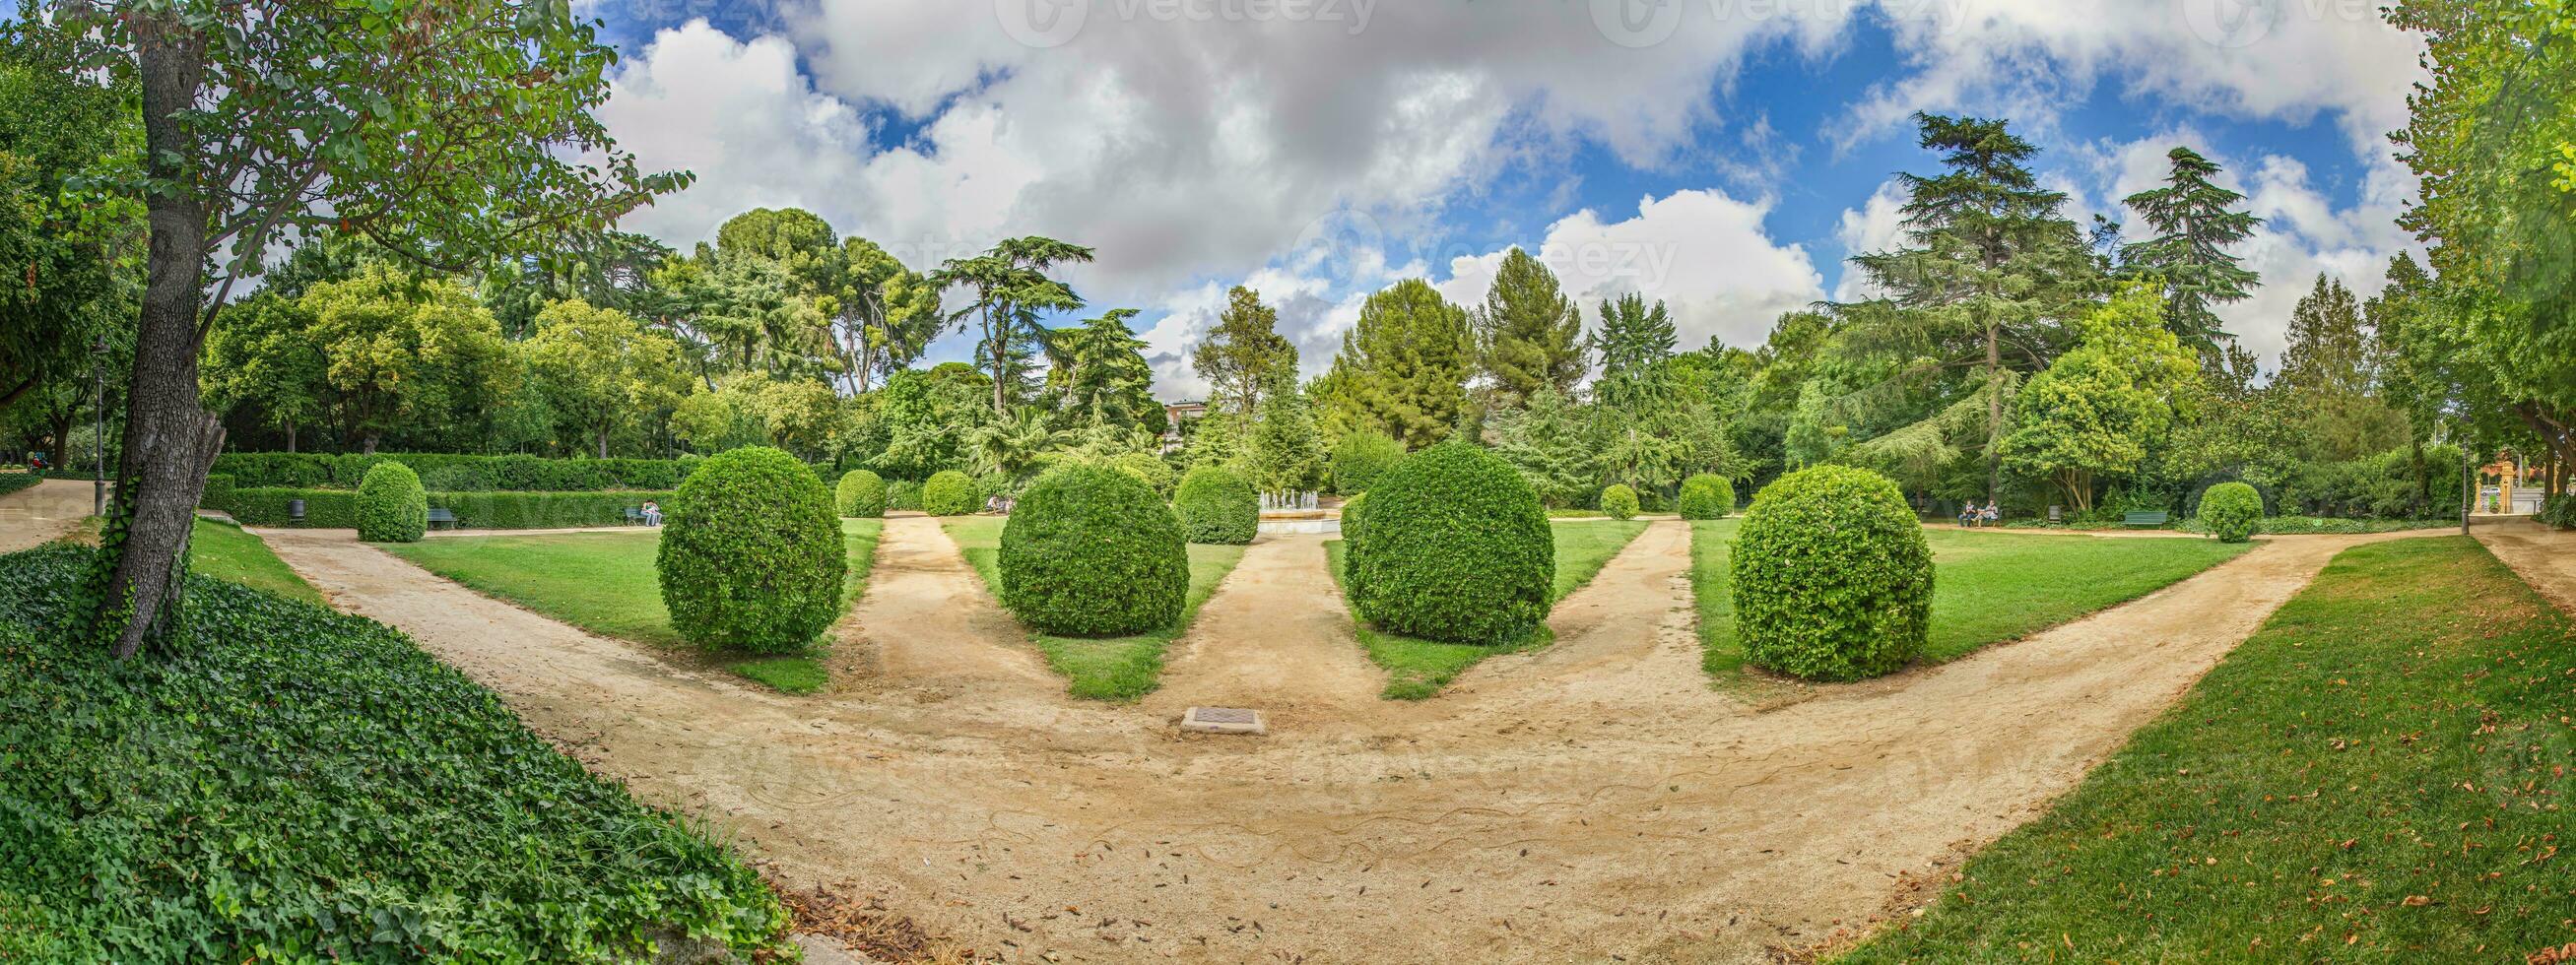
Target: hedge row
{"type": "Point", "coordinates": [443, 472]}
{"type": "Point", "coordinates": [338, 508]}
{"type": "Point", "coordinates": [11, 482]}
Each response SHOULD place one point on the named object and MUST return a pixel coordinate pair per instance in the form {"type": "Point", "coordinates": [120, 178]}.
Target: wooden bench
{"type": "Point", "coordinates": [634, 516]}
{"type": "Point", "coordinates": [439, 515]}
{"type": "Point", "coordinates": [2141, 518]}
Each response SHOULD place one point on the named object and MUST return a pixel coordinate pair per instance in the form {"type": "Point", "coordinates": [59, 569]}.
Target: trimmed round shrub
{"type": "Point", "coordinates": [1359, 457]}
{"type": "Point", "coordinates": [392, 507]}
{"type": "Point", "coordinates": [948, 493]}
{"type": "Point", "coordinates": [861, 494]}
{"type": "Point", "coordinates": [2230, 511]}
{"type": "Point", "coordinates": [1833, 578]}
{"type": "Point", "coordinates": [1217, 506]}
{"type": "Point", "coordinates": [751, 558]}
{"type": "Point", "coordinates": [1707, 496]}
{"type": "Point", "coordinates": [1619, 501]}
{"type": "Point", "coordinates": [1455, 548]}
{"type": "Point", "coordinates": [1091, 552]}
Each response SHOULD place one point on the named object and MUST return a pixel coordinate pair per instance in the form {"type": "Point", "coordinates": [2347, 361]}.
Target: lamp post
{"type": "Point", "coordinates": [98, 437]}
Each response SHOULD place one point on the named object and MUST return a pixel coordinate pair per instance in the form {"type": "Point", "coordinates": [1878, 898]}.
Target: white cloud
{"type": "Point", "coordinates": [1877, 225]}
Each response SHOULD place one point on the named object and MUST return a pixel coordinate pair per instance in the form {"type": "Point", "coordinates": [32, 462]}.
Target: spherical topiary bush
{"type": "Point", "coordinates": [1619, 502]}
{"type": "Point", "coordinates": [2230, 511]}
{"type": "Point", "coordinates": [751, 558]}
{"type": "Point", "coordinates": [1833, 578]}
{"type": "Point", "coordinates": [861, 494]}
{"type": "Point", "coordinates": [1707, 496]}
{"type": "Point", "coordinates": [392, 508]}
{"type": "Point", "coordinates": [1092, 552]}
{"type": "Point", "coordinates": [1455, 548]}
{"type": "Point", "coordinates": [948, 493]}
{"type": "Point", "coordinates": [1217, 506]}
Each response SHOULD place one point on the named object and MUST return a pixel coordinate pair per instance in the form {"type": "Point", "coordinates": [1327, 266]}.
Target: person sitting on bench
{"type": "Point", "coordinates": [1992, 515]}
{"type": "Point", "coordinates": [1968, 513]}
{"type": "Point", "coordinates": [652, 513]}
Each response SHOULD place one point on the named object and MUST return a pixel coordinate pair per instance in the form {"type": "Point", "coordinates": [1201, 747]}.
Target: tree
{"type": "Point", "coordinates": [1287, 454]}
{"type": "Point", "coordinates": [1403, 367]}
{"type": "Point", "coordinates": [1531, 334]}
{"type": "Point", "coordinates": [1989, 271]}
{"type": "Point", "coordinates": [69, 254]}
{"type": "Point", "coordinates": [887, 313]}
{"type": "Point", "coordinates": [2196, 221]}
{"type": "Point", "coordinates": [2329, 380]}
{"type": "Point", "coordinates": [264, 357]}
{"type": "Point", "coordinates": [2103, 405]}
{"type": "Point", "coordinates": [1240, 351]}
{"type": "Point", "coordinates": [1634, 342]}
{"type": "Point", "coordinates": [1101, 374]}
{"type": "Point", "coordinates": [1549, 439]}
{"type": "Point", "coordinates": [927, 415]}
{"type": "Point", "coordinates": [397, 120]}
{"type": "Point", "coordinates": [1011, 287]}
{"type": "Point", "coordinates": [400, 351]}
{"type": "Point", "coordinates": [602, 372]}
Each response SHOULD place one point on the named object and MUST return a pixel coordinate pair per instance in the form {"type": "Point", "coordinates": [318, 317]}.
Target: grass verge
{"type": "Point", "coordinates": [1988, 587]}
{"type": "Point", "coordinates": [1417, 669]}
{"type": "Point", "coordinates": [224, 551]}
{"type": "Point", "coordinates": [1118, 669]}
{"type": "Point", "coordinates": [605, 583]}
{"type": "Point", "coordinates": [2380, 774]}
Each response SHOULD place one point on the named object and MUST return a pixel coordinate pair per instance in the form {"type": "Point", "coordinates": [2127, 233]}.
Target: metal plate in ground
{"type": "Point", "coordinates": [1224, 720]}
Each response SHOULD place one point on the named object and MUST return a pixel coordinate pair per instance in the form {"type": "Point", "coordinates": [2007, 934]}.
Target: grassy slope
{"type": "Point", "coordinates": [2380, 774]}
{"type": "Point", "coordinates": [1107, 668]}
{"type": "Point", "coordinates": [1988, 587]}
{"type": "Point", "coordinates": [1418, 668]}
{"type": "Point", "coordinates": [223, 551]}
{"type": "Point", "coordinates": [605, 583]}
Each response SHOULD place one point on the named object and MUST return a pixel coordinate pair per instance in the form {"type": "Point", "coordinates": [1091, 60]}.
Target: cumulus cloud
{"type": "Point", "coordinates": [1877, 225]}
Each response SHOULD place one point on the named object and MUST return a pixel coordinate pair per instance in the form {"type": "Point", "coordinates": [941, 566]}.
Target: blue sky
{"type": "Point", "coordinates": [1725, 155]}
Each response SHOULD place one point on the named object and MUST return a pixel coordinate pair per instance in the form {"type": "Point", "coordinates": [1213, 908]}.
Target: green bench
{"type": "Point", "coordinates": [438, 515]}
{"type": "Point", "coordinates": [2136, 518]}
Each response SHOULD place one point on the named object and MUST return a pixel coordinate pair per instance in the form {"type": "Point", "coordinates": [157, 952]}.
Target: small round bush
{"type": "Point", "coordinates": [751, 558]}
{"type": "Point", "coordinates": [1092, 552]}
{"type": "Point", "coordinates": [948, 493]}
{"type": "Point", "coordinates": [392, 508]}
{"type": "Point", "coordinates": [1217, 506]}
{"type": "Point", "coordinates": [2230, 511]}
{"type": "Point", "coordinates": [1833, 578]}
{"type": "Point", "coordinates": [1359, 457]}
{"type": "Point", "coordinates": [1707, 496]}
{"type": "Point", "coordinates": [861, 494]}
{"type": "Point", "coordinates": [1619, 501]}
{"type": "Point", "coordinates": [1455, 548]}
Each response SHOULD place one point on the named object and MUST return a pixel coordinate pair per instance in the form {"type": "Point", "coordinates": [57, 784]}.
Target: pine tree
{"type": "Point", "coordinates": [1633, 343]}
{"type": "Point", "coordinates": [2329, 378]}
{"type": "Point", "coordinates": [1531, 333]}
{"type": "Point", "coordinates": [1287, 454]}
{"type": "Point", "coordinates": [1100, 374]}
{"type": "Point", "coordinates": [1548, 441]}
{"type": "Point", "coordinates": [2195, 222]}
{"type": "Point", "coordinates": [1403, 367]}
{"type": "Point", "coordinates": [1237, 354]}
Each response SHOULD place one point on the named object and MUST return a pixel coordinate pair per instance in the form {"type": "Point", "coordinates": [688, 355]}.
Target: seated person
{"type": "Point", "coordinates": [1968, 513]}
{"type": "Point", "coordinates": [652, 513]}
{"type": "Point", "coordinates": [1993, 514]}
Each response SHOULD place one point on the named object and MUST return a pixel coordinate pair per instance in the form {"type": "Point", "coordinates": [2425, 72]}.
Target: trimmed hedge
{"type": "Point", "coordinates": [300, 784]}
{"type": "Point", "coordinates": [392, 508]}
{"type": "Point", "coordinates": [949, 493]}
{"type": "Point", "coordinates": [1218, 507]}
{"type": "Point", "coordinates": [1455, 548]}
{"type": "Point", "coordinates": [751, 558]}
{"type": "Point", "coordinates": [1832, 576]}
{"type": "Point", "coordinates": [11, 482]}
{"type": "Point", "coordinates": [446, 472]}
{"type": "Point", "coordinates": [861, 494]}
{"type": "Point", "coordinates": [338, 508]}
{"type": "Point", "coordinates": [2231, 511]}
{"type": "Point", "coordinates": [1351, 524]}
{"type": "Point", "coordinates": [1619, 502]}
{"type": "Point", "coordinates": [1707, 496]}
{"type": "Point", "coordinates": [1359, 457]}
{"type": "Point", "coordinates": [1091, 552]}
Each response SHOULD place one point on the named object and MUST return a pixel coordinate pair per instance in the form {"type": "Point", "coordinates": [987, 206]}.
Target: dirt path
{"type": "Point", "coordinates": [1594, 800]}
{"type": "Point", "coordinates": [1275, 636]}
{"type": "Point", "coordinates": [927, 621]}
{"type": "Point", "coordinates": [2543, 557]}
{"type": "Point", "coordinates": [42, 513]}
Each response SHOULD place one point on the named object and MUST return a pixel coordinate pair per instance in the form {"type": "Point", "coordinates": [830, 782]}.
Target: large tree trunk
{"type": "Point", "coordinates": [603, 443]}
{"type": "Point", "coordinates": [170, 439]}
{"type": "Point", "coordinates": [290, 438]}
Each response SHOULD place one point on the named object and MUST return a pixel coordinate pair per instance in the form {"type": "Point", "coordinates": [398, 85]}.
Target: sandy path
{"type": "Point", "coordinates": [42, 513]}
{"type": "Point", "coordinates": [927, 621]}
{"type": "Point", "coordinates": [1275, 636]}
{"type": "Point", "coordinates": [2543, 557]}
{"type": "Point", "coordinates": [1594, 800]}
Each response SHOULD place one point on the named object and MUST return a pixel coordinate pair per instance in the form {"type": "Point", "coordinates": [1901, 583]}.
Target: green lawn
{"type": "Point", "coordinates": [1417, 668]}
{"type": "Point", "coordinates": [605, 583]}
{"type": "Point", "coordinates": [2380, 774]}
{"type": "Point", "coordinates": [1118, 669]}
{"type": "Point", "coordinates": [223, 551]}
{"type": "Point", "coordinates": [1988, 586]}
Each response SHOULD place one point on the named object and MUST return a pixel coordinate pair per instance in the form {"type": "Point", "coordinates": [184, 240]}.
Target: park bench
{"type": "Point", "coordinates": [2144, 518]}
{"type": "Point", "coordinates": [439, 515]}
{"type": "Point", "coordinates": [634, 516]}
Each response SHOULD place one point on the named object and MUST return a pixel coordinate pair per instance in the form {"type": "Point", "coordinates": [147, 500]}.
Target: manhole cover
{"type": "Point", "coordinates": [1223, 720]}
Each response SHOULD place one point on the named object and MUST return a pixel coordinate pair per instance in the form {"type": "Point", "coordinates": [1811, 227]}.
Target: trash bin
{"type": "Point", "coordinates": [295, 510]}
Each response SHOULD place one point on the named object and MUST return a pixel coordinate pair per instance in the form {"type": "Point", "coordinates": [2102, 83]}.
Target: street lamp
{"type": "Point", "coordinates": [98, 438]}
